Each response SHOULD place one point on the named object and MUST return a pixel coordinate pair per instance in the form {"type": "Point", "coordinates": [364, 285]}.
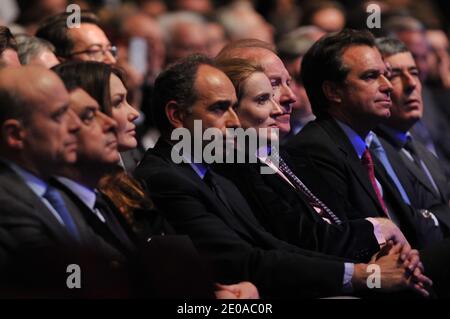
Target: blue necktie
{"type": "Point", "coordinates": [55, 199]}
{"type": "Point", "coordinates": [380, 153]}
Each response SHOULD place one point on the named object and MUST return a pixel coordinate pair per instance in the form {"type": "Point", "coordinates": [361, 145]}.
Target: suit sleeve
{"type": "Point", "coordinates": [286, 216]}
{"type": "Point", "coordinates": [325, 174]}
{"type": "Point", "coordinates": [276, 273]}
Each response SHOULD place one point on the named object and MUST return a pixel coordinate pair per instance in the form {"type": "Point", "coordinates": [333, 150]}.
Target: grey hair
{"type": "Point", "coordinates": [168, 22]}
{"type": "Point", "coordinates": [29, 47]}
{"type": "Point", "coordinates": [297, 42]}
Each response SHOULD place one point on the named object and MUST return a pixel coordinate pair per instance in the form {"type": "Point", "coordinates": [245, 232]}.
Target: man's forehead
{"type": "Point", "coordinates": [403, 59]}
{"type": "Point", "coordinates": [209, 77]}
{"type": "Point", "coordinates": [80, 98]}
{"type": "Point", "coordinates": [89, 32]}
{"type": "Point", "coordinates": [362, 56]}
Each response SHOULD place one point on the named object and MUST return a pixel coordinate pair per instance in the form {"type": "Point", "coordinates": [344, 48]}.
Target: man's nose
{"type": "Point", "coordinates": [410, 82]}
{"type": "Point", "coordinates": [385, 85]}
{"type": "Point", "coordinates": [108, 123]}
{"type": "Point", "coordinates": [232, 120]}
{"type": "Point", "coordinates": [109, 58]}
{"type": "Point", "coordinates": [287, 97]}
{"type": "Point", "coordinates": [74, 121]}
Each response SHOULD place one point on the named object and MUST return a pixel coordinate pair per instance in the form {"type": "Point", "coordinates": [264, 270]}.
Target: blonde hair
{"type": "Point", "coordinates": [238, 70]}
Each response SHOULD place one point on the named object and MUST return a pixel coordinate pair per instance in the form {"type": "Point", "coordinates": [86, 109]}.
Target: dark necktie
{"type": "Point", "coordinates": [55, 199]}
{"type": "Point", "coordinates": [367, 162]}
{"type": "Point", "coordinates": [409, 146]}
{"type": "Point", "coordinates": [211, 179]}
{"type": "Point", "coordinates": [111, 220]}
{"type": "Point", "coordinates": [322, 210]}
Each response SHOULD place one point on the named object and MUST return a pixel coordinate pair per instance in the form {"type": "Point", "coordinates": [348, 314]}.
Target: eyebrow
{"type": "Point", "coordinates": [221, 104]}
{"type": "Point", "coordinates": [120, 94]}
{"type": "Point", "coordinates": [373, 71]}
{"type": "Point", "coordinates": [408, 68]}
{"type": "Point", "coordinates": [98, 45]}
{"type": "Point", "coordinates": [64, 108]}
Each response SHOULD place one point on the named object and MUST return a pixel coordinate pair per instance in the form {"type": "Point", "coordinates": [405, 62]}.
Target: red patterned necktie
{"type": "Point", "coordinates": [367, 161]}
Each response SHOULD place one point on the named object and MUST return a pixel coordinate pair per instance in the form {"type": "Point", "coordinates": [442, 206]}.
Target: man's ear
{"type": "Point", "coordinates": [331, 91]}
{"type": "Point", "coordinates": [13, 133]}
{"type": "Point", "coordinates": [175, 114]}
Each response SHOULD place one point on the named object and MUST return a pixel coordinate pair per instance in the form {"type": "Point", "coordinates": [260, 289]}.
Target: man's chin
{"type": "Point", "coordinates": [70, 160]}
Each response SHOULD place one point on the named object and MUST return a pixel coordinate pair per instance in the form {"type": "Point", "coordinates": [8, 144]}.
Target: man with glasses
{"type": "Point", "coordinates": [86, 42]}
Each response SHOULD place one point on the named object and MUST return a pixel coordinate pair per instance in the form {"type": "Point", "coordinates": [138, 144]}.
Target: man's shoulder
{"type": "Point", "coordinates": [319, 131]}
{"type": "Point", "coordinates": [13, 189]}
{"type": "Point", "coordinates": [322, 137]}
{"type": "Point", "coordinates": [159, 171]}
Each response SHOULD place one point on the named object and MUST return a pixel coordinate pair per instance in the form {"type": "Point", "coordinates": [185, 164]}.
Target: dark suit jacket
{"type": "Point", "coordinates": [236, 244]}
{"type": "Point", "coordinates": [35, 246]}
{"type": "Point", "coordinates": [149, 261]}
{"type": "Point", "coordinates": [285, 212]}
{"type": "Point", "coordinates": [35, 251]}
{"type": "Point", "coordinates": [415, 182]}
{"type": "Point", "coordinates": [342, 182]}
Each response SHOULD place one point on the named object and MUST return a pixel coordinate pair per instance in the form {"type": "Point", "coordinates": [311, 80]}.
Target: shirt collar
{"type": "Point", "coordinates": [37, 185]}
{"type": "Point", "coordinates": [359, 145]}
{"type": "Point", "coordinates": [396, 135]}
{"type": "Point", "coordinates": [85, 194]}
{"type": "Point", "coordinates": [199, 168]}
{"type": "Point", "coordinates": [263, 152]}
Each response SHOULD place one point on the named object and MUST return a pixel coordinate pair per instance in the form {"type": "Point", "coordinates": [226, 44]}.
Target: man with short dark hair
{"type": "Point", "coordinates": [418, 171]}
{"type": "Point", "coordinates": [86, 42]}
{"type": "Point", "coordinates": [347, 83]}
{"type": "Point", "coordinates": [210, 209]}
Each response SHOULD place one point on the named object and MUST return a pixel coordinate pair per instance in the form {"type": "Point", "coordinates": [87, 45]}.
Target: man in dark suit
{"type": "Point", "coordinates": [149, 262]}
{"type": "Point", "coordinates": [282, 203]}
{"type": "Point", "coordinates": [38, 137]}
{"type": "Point", "coordinates": [210, 209]}
{"type": "Point", "coordinates": [418, 170]}
{"type": "Point", "coordinates": [133, 267]}
{"type": "Point", "coordinates": [346, 81]}
{"type": "Point", "coordinates": [290, 214]}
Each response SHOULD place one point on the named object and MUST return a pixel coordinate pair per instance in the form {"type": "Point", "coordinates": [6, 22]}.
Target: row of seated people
{"type": "Point", "coordinates": [309, 229]}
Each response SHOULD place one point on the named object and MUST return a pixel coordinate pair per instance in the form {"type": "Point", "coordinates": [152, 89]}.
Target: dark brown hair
{"type": "Point", "coordinates": [91, 76]}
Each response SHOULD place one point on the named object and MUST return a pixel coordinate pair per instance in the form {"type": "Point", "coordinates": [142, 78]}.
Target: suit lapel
{"type": "Point", "coordinates": [397, 164]}
{"type": "Point", "coordinates": [231, 218]}
{"type": "Point", "coordinates": [417, 172]}
{"type": "Point", "coordinates": [277, 182]}
{"type": "Point", "coordinates": [437, 173]}
{"type": "Point", "coordinates": [87, 218]}
{"type": "Point", "coordinates": [358, 170]}
{"type": "Point", "coordinates": [16, 187]}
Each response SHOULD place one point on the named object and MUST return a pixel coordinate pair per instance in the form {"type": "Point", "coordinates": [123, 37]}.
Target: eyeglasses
{"type": "Point", "coordinates": [98, 54]}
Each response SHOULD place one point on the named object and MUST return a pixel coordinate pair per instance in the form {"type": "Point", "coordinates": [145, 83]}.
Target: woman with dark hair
{"type": "Point", "coordinates": [105, 84]}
